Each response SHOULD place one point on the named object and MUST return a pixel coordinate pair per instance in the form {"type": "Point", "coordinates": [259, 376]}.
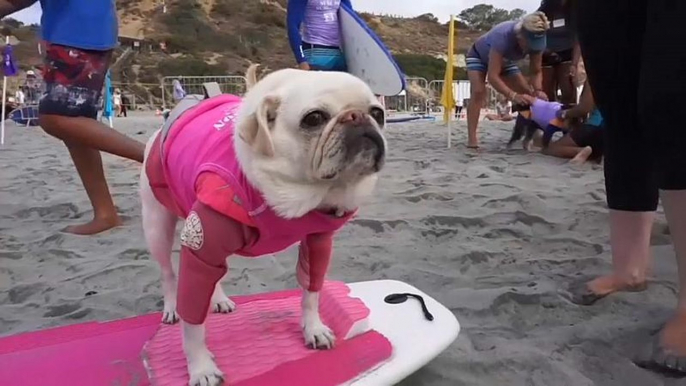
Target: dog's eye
{"type": "Point", "coordinates": [378, 115]}
{"type": "Point", "coordinates": [314, 119]}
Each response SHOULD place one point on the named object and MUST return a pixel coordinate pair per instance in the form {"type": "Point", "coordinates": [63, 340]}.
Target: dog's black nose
{"type": "Point", "coordinates": [365, 138]}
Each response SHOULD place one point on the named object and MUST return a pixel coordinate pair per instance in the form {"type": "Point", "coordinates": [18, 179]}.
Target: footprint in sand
{"type": "Point", "coordinates": [52, 212]}
{"type": "Point", "coordinates": [134, 254]}
{"type": "Point", "coordinates": [61, 310]}
{"type": "Point", "coordinates": [454, 221]}
{"type": "Point", "coordinates": [428, 197]}
{"type": "Point", "coordinates": [22, 292]}
{"type": "Point", "coordinates": [378, 226]}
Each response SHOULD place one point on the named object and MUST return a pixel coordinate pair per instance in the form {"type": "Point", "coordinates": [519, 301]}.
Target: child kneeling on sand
{"type": "Point", "coordinates": [584, 141]}
{"type": "Point", "coordinates": [79, 37]}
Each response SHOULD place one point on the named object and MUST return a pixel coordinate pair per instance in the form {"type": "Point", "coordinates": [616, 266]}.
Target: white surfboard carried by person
{"type": "Point", "coordinates": [326, 35]}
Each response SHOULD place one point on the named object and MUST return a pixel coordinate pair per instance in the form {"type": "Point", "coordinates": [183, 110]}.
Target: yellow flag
{"type": "Point", "coordinates": [447, 97]}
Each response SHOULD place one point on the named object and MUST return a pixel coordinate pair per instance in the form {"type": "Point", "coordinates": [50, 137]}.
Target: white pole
{"type": "Point", "coordinates": [4, 101]}
{"type": "Point", "coordinates": [449, 129]}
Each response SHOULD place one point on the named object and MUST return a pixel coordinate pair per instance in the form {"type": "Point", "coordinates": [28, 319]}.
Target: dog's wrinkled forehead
{"type": "Point", "coordinates": [332, 91]}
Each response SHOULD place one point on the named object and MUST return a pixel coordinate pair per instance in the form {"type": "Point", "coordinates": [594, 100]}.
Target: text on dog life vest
{"type": "Point", "coordinates": [229, 118]}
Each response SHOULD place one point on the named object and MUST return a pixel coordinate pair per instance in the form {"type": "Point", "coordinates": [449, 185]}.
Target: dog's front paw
{"type": "Point", "coordinates": [223, 306]}
{"type": "Point", "coordinates": [169, 315]}
{"type": "Point", "coordinates": [318, 335]}
{"type": "Point", "coordinates": [204, 372]}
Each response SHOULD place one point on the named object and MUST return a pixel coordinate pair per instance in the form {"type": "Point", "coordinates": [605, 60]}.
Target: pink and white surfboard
{"type": "Point", "coordinates": [379, 342]}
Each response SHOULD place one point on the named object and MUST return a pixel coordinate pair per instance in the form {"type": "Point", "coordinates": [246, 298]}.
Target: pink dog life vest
{"type": "Point", "coordinates": [224, 213]}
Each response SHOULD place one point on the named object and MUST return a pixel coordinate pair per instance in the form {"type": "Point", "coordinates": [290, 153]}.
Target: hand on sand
{"type": "Point", "coordinates": [304, 66]}
{"type": "Point", "coordinates": [94, 226]}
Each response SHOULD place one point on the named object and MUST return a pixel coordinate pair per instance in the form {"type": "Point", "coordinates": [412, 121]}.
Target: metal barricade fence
{"type": "Point", "coordinates": [139, 95]}
{"type": "Point", "coordinates": [435, 92]}
{"type": "Point", "coordinates": [412, 100]}
{"type": "Point", "coordinates": [193, 85]}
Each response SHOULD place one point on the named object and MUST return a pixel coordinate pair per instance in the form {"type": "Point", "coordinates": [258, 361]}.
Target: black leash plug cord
{"type": "Point", "coordinates": [402, 298]}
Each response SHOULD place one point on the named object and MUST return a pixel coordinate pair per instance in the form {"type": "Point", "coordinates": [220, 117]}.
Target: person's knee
{"type": "Point", "coordinates": [478, 95]}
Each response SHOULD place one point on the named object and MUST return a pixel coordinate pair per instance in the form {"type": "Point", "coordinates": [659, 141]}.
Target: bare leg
{"type": "Point", "coordinates": [550, 83]}
{"type": "Point", "coordinates": [567, 152]}
{"type": "Point", "coordinates": [90, 133]}
{"type": "Point", "coordinates": [673, 336]}
{"type": "Point", "coordinates": [564, 81]}
{"type": "Point", "coordinates": [565, 147]}
{"type": "Point", "coordinates": [478, 96]}
{"type": "Point", "coordinates": [582, 156]}
{"type": "Point", "coordinates": [630, 240]}
{"type": "Point", "coordinates": [88, 164]}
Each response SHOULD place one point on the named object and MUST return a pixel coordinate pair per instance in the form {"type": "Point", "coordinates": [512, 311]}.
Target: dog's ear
{"type": "Point", "coordinates": [255, 130]}
{"type": "Point", "coordinates": [251, 76]}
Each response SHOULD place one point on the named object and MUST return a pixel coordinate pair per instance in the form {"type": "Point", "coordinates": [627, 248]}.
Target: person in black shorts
{"type": "Point", "coordinates": [562, 55]}
{"type": "Point", "coordinates": [636, 62]}
{"type": "Point", "coordinates": [584, 142]}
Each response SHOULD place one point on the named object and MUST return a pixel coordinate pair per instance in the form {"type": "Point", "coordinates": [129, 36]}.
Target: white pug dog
{"type": "Point", "coordinates": [307, 149]}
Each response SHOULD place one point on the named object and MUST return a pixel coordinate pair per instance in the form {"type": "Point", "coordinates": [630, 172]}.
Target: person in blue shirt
{"type": "Point", "coordinates": [314, 34]}
{"type": "Point", "coordinates": [79, 36]}
{"type": "Point", "coordinates": [492, 59]}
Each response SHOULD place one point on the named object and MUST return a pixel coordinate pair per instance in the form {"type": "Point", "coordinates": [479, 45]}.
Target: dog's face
{"type": "Point", "coordinates": [314, 127]}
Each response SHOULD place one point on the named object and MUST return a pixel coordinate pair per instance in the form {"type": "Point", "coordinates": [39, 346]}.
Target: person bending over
{"type": "Point", "coordinates": [319, 45]}
{"type": "Point", "coordinates": [492, 58]}
{"type": "Point", "coordinates": [584, 141]}
{"type": "Point", "coordinates": [79, 37]}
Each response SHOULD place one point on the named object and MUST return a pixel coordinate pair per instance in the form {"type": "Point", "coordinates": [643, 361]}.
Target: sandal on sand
{"type": "Point", "coordinates": [582, 295]}
{"type": "Point", "coordinates": [661, 360]}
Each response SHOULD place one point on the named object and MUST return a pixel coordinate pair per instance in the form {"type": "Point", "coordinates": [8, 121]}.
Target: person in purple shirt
{"type": "Point", "coordinates": [79, 37]}
{"type": "Point", "coordinates": [318, 45]}
{"type": "Point", "coordinates": [493, 58]}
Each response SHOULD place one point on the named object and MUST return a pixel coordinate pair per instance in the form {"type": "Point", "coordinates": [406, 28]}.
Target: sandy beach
{"type": "Point", "coordinates": [496, 237]}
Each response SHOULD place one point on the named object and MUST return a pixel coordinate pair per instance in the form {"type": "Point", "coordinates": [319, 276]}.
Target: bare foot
{"type": "Point", "coordinates": [673, 335]}
{"type": "Point", "coordinates": [668, 353]}
{"type": "Point", "coordinates": [94, 226]}
{"type": "Point", "coordinates": [587, 293]}
{"type": "Point", "coordinates": [472, 145]}
{"type": "Point", "coordinates": [582, 156]}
